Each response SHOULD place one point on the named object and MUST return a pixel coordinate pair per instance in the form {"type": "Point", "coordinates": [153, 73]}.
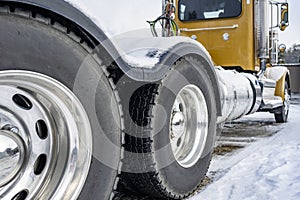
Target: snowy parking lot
{"type": "Point", "coordinates": [256, 158]}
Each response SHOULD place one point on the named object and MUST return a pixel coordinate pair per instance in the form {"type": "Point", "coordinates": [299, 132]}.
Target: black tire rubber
{"type": "Point", "coordinates": [32, 41]}
{"type": "Point", "coordinates": [281, 116]}
{"type": "Point", "coordinates": [149, 166]}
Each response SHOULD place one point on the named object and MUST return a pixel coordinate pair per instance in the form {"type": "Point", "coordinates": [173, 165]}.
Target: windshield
{"type": "Point", "coordinates": [208, 9]}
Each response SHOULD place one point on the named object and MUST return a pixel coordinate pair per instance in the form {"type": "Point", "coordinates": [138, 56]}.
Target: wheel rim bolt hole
{"type": "Point", "coordinates": [40, 164]}
{"type": "Point", "coordinates": [178, 142]}
{"type": "Point", "coordinates": [41, 129]}
{"type": "Point", "coordinates": [21, 195]}
{"type": "Point", "coordinates": [180, 107]}
{"type": "Point", "coordinates": [22, 101]}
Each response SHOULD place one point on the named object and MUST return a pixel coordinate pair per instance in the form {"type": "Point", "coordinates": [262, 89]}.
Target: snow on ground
{"type": "Point", "coordinates": [266, 169]}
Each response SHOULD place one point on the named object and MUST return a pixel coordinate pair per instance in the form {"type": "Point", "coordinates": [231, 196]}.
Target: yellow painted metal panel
{"type": "Point", "coordinates": [239, 49]}
{"type": "Point", "coordinates": [280, 86]}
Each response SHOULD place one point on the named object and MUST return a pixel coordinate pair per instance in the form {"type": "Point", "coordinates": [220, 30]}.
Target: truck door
{"type": "Point", "coordinates": [224, 27]}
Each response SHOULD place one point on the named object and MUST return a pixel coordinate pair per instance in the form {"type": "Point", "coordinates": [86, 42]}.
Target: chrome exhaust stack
{"type": "Point", "coordinates": [262, 34]}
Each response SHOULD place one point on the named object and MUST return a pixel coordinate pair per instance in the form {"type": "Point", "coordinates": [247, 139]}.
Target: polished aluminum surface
{"type": "Point", "coordinates": [287, 101]}
{"type": "Point", "coordinates": [55, 131]}
{"type": "Point", "coordinates": [274, 47]}
{"type": "Point", "coordinates": [178, 124]}
{"type": "Point", "coordinates": [11, 156]}
{"type": "Point", "coordinates": [262, 28]}
{"type": "Point", "coordinates": [257, 91]}
{"type": "Point", "coordinates": [238, 96]}
{"type": "Point", "coordinates": [234, 26]}
{"type": "Point", "coordinates": [189, 126]}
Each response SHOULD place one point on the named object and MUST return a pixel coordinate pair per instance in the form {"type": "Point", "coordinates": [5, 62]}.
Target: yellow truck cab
{"type": "Point", "coordinates": [237, 33]}
{"type": "Point", "coordinates": [241, 35]}
{"type": "Point", "coordinates": [225, 28]}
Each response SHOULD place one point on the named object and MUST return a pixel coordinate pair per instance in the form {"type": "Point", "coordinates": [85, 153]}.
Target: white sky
{"type": "Point", "coordinates": [292, 33]}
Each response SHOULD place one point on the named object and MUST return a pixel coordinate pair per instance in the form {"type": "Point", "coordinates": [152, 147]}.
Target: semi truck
{"type": "Point", "coordinates": [92, 117]}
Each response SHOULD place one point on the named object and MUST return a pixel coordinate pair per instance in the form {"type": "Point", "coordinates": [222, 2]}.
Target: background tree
{"type": "Point", "coordinates": [293, 54]}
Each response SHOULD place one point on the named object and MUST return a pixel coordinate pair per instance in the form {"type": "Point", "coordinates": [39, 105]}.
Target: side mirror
{"type": "Point", "coordinates": [284, 22]}
{"type": "Point", "coordinates": [282, 48]}
{"type": "Point", "coordinates": [281, 53]}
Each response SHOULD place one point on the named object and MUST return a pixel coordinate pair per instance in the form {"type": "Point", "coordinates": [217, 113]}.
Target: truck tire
{"type": "Point", "coordinates": [170, 133]}
{"type": "Point", "coordinates": [281, 115]}
{"type": "Point", "coordinates": [58, 108]}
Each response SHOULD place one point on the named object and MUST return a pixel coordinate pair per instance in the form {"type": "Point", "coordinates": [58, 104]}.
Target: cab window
{"type": "Point", "coordinates": [190, 10]}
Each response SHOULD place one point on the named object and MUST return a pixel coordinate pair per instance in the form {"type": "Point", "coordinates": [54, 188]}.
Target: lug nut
{"type": "Point", "coordinates": [11, 128]}
{"type": "Point", "coordinates": [14, 130]}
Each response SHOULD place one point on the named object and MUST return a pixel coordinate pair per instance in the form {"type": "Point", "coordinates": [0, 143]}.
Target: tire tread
{"type": "Point", "coordinates": [80, 37]}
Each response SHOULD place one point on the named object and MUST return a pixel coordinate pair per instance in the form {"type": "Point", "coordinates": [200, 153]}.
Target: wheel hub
{"type": "Point", "coordinates": [45, 138]}
{"type": "Point", "coordinates": [189, 126]}
{"type": "Point", "coordinates": [178, 124]}
{"type": "Point", "coordinates": [11, 156]}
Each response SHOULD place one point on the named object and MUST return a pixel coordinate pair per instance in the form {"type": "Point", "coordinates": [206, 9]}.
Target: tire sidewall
{"type": "Point", "coordinates": [182, 180]}
{"type": "Point", "coordinates": [34, 46]}
{"type": "Point", "coordinates": [281, 116]}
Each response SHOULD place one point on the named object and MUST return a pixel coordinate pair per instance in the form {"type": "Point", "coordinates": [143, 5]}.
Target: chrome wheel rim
{"type": "Point", "coordinates": [50, 129]}
{"type": "Point", "coordinates": [287, 101]}
{"type": "Point", "coordinates": [11, 156]}
{"type": "Point", "coordinates": [189, 126]}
